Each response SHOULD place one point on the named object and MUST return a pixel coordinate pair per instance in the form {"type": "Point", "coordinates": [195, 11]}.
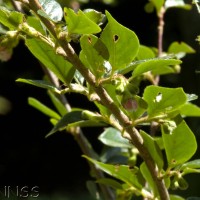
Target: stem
{"type": "Point", "coordinates": [107, 101]}
{"type": "Point", "coordinates": [161, 24]}
{"type": "Point", "coordinates": [82, 141]}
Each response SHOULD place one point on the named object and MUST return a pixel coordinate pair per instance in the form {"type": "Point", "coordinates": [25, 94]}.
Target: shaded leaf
{"type": "Point", "coordinates": [92, 187]}
{"type": "Point", "coordinates": [121, 42]}
{"type": "Point", "coordinates": [153, 149]}
{"type": "Point", "coordinates": [110, 182]}
{"type": "Point", "coordinates": [79, 23]}
{"type": "Point", "coordinates": [68, 118]}
{"type": "Point", "coordinates": [121, 172]}
{"type": "Point", "coordinates": [44, 109]}
{"type": "Point", "coordinates": [180, 145]}
{"type": "Point", "coordinates": [148, 177]}
{"type": "Point", "coordinates": [162, 100]}
{"type": "Point", "coordinates": [47, 55]}
{"type": "Point", "coordinates": [112, 137]}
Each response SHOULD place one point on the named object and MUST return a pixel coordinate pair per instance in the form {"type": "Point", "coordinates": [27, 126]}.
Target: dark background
{"type": "Point", "coordinates": [55, 164]}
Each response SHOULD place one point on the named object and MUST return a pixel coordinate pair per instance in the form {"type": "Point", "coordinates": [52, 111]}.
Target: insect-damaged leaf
{"type": "Point", "coordinates": [122, 43]}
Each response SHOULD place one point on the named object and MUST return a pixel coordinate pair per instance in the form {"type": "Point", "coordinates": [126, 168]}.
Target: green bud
{"type": "Point", "coordinates": [183, 185]}
{"type": "Point", "coordinates": [133, 89]}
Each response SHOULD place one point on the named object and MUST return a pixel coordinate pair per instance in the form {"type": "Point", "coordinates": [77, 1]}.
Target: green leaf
{"type": "Point", "coordinates": [68, 118]}
{"type": "Point", "coordinates": [191, 164]}
{"type": "Point", "coordinates": [162, 100]}
{"type": "Point", "coordinates": [53, 9]}
{"type": "Point", "coordinates": [87, 123]}
{"type": "Point", "coordinates": [10, 19]}
{"type": "Point", "coordinates": [158, 4]}
{"type": "Point", "coordinates": [110, 182]}
{"type": "Point", "coordinates": [148, 177]}
{"type": "Point", "coordinates": [36, 24]}
{"type": "Point", "coordinates": [121, 42]}
{"type": "Point", "coordinates": [44, 109]}
{"type": "Point", "coordinates": [92, 187]}
{"type": "Point", "coordinates": [145, 53]}
{"type": "Point", "coordinates": [193, 198]}
{"type": "Point", "coordinates": [149, 7]}
{"type": "Point", "coordinates": [121, 172]}
{"type": "Point", "coordinates": [50, 59]}
{"type": "Point", "coordinates": [112, 137]}
{"type": "Point", "coordinates": [57, 103]}
{"type": "Point", "coordinates": [177, 4]}
{"type": "Point", "coordinates": [190, 110]}
{"type": "Point", "coordinates": [91, 56]}
{"type": "Point", "coordinates": [153, 149]}
{"type": "Point", "coordinates": [95, 16]}
{"type": "Point", "coordinates": [180, 49]}
{"type": "Point", "coordinates": [175, 197]}
{"type": "Point", "coordinates": [156, 66]}
{"type": "Point", "coordinates": [40, 83]}
{"type": "Point", "coordinates": [79, 23]}
{"type": "Point", "coordinates": [180, 145]}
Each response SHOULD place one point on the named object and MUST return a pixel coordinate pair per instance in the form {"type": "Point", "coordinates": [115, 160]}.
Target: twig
{"type": "Point", "coordinates": [107, 101]}
{"type": "Point", "coordinates": [82, 141]}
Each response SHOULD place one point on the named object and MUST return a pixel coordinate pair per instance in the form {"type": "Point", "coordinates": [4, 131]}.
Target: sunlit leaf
{"type": "Point", "coordinates": [53, 9]}
{"type": "Point", "coordinates": [190, 110]}
{"type": "Point", "coordinates": [156, 66]}
{"type": "Point", "coordinates": [121, 42]}
{"type": "Point", "coordinates": [145, 53]}
{"type": "Point", "coordinates": [162, 100]}
{"type": "Point", "coordinates": [10, 19]}
{"type": "Point", "coordinates": [177, 47]}
{"type": "Point", "coordinates": [92, 54]}
{"type": "Point", "coordinates": [79, 23]}
{"type": "Point", "coordinates": [180, 145]}
{"type": "Point", "coordinates": [57, 103]}
{"type": "Point", "coordinates": [95, 16]}
{"type": "Point", "coordinates": [40, 83]}
{"type": "Point", "coordinates": [43, 108]}
{"type": "Point", "coordinates": [158, 4]}
{"type": "Point", "coordinates": [55, 62]}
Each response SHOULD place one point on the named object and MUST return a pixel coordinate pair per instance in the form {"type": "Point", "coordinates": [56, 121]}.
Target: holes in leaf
{"type": "Point", "coordinates": [158, 97]}
{"type": "Point", "coordinates": [115, 38]}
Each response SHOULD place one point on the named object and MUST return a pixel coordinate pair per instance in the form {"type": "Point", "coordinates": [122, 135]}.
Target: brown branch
{"type": "Point", "coordinates": [108, 102]}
